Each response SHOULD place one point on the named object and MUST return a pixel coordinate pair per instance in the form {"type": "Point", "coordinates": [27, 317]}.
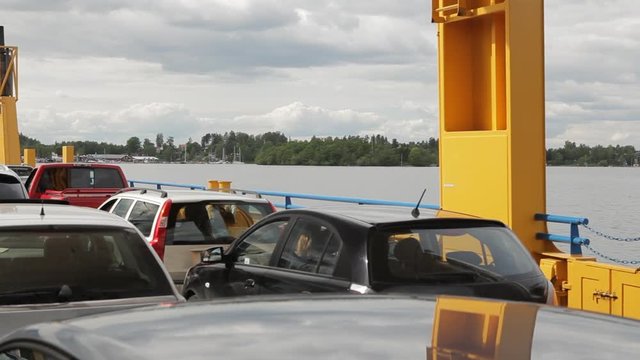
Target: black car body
{"type": "Point", "coordinates": [322, 327]}
{"type": "Point", "coordinates": [363, 249]}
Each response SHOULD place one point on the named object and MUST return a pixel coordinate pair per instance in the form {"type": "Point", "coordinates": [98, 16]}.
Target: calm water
{"type": "Point", "coordinates": [608, 197]}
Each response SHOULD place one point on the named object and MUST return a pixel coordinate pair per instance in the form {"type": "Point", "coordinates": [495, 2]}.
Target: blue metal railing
{"type": "Point", "coordinates": [289, 196]}
{"type": "Point", "coordinates": [573, 239]}
{"type": "Point", "coordinates": [159, 185]}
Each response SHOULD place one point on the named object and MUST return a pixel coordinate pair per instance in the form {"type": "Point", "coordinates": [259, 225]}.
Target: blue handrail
{"type": "Point", "coordinates": [159, 185]}
{"type": "Point", "coordinates": [574, 239]}
{"type": "Point", "coordinates": [289, 205]}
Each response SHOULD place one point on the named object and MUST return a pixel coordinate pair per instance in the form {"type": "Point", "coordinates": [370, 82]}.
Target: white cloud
{"type": "Point", "coordinates": [342, 66]}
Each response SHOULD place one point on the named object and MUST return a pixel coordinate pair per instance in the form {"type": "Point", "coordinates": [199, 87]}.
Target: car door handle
{"type": "Point", "coordinates": [249, 283]}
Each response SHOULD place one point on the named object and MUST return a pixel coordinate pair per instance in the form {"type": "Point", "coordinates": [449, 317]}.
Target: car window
{"type": "Point", "coordinates": [257, 247]}
{"type": "Point", "coordinates": [122, 207]}
{"type": "Point", "coordinates": [81, 178]}
{"type": "Point", "coordinates": [310, 248]}
{"type": "Point", "coordinates": [108, 205]}
{"type": "Point", "coordinates": [53, 179]}
{"type": "Point", "coordinates": [11, 188]}
{"type": "Point", "coordinates": [108, 178]}
{"type": "Point", "coordinates": [76, 264]}
{"type": "Point", "coordinates": [29, 351]}
{"type": "Point", "coordinates": [142, 215]}
{"type": "Point", "coordinates": [211, 222]}
{"type": "Point", "coordinates": [414, 253]}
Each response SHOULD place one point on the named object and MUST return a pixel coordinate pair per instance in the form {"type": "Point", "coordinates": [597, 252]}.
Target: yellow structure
{"type": "Point", "coordinates": [67, 154]}
{"type": "Point", "coordinates": [213, 185]}
{"type": "Point", "coordinates": [9, 138]}
{"type": "Point", "coordinates": [466, 328]}
{"type": "Point", "coordinates": [30, 157]}
{"type": "Point", "coordinates": [492, 150]}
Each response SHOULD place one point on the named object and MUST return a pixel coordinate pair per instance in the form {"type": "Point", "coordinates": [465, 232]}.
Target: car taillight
{"type": "Point", "coordinates": [273, 207]}
{"type": "Point", "coordinates": [160, 233]}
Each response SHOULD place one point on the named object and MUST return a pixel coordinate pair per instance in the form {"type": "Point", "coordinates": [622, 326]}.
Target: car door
{"type": "Point", "coordinates": [307, 261]}
{"type": "Point", "coordinates": [248, 260]}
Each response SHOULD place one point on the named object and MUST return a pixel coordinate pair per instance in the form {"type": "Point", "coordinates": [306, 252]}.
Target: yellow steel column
{"type": "Point", "coordinates": [30, 157]}
{"type": "Point", "coordinates": [492, 151]}
{"type": "Point", "coordinates": [9, 138]}
{"type": "Point", "coordinates": [67, 154]}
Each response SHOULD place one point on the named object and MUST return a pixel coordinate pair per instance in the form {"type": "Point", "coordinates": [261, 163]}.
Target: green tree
{"type": "Point", "coordinates": [133, 145]}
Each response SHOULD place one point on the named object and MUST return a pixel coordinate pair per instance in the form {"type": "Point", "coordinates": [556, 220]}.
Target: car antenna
{"type": "Point", "coordinates": [415, 212]}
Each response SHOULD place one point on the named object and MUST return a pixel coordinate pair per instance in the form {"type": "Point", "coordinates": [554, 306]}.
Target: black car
{"type": "Point", "coordinates": [332, 327]}
{"type": "Point", "coordinates": [365, 249]}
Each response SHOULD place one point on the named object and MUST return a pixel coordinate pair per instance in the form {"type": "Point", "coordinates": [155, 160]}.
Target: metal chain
{"type": "Point", "coordinates": [614, 238]}
{"type": "Point", "coordinates": [619, 261]}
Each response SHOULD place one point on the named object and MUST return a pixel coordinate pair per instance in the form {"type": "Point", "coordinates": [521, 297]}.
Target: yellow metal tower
{"type": "Point", "coordinates": [492, 152]}
{"type": "Point", "coordinates": [9, 138]}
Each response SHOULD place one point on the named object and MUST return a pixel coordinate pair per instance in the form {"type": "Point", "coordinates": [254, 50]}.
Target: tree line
{"type": "Point", "coordinates": [274, 148]}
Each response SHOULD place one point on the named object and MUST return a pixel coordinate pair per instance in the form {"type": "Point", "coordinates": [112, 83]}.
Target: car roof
{"type": "Point", "coordinates": [178, 195]}
{"type": "Point", "coordinates": [5, 170]}
{"type": "Point", "coordinates": [17, 214]}
{"type": "Point", "coordinates": [383, 214]}
{"type": "Point", "coordinates": [317, 327]}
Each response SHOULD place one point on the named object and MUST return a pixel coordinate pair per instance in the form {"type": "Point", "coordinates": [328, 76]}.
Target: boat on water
{"type": "Point", "coordinates": [491, 84]}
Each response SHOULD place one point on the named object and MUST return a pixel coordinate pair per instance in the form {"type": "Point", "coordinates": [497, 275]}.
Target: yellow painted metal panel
{"type": "Point", "coordinates": [9, 139]}
{"type": "Point", "coordinates": [67, 154]}
{"type": "Point", "coordinates": [30, 157]}
{"type": "Point", "coordinates": [587, 279]}
{"type": "Point", "coordinates": [474, 174]}
{"type": "Point", "coordinates": [626, 286]}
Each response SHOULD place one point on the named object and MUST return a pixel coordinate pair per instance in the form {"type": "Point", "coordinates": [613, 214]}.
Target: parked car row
{"type": "Point", "coordinates": [154, 247]}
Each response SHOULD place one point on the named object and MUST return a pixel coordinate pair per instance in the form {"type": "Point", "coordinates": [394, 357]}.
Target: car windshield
{"type": "Point", "coordinates": [76, 264]}
{"type": "Point", "coordinates": [449, 254]}
{"type": "Point", "coordinates": [209, 222]}
{"type": "Point", "coordinates": [11, 188]}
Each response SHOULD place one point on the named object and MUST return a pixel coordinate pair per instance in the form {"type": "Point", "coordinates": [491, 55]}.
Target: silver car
{"type": "Point", "coordinates": [11, 185]}
{"type": "Point", "coordinates": [61, 261]}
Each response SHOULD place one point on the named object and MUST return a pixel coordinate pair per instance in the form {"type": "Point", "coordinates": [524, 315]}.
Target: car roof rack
{"type": "Point", "coordinates": [238, 192]}
{"type": "Point", "coordinates": [163, 194]}
{"type": "Point", "coordinates": [33, 201]}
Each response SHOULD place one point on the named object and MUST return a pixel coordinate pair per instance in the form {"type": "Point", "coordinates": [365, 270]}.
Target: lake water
{"type": "Point", "coordinates": [608, 197]}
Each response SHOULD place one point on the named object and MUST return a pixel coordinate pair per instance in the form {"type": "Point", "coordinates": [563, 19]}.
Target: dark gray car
{"type": "Point", "coordinates": [329, 327]}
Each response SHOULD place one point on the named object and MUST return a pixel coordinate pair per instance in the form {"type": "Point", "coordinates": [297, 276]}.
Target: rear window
{"type": "Point", "coordinates": [80, 177]}
{"type": "Point", "coordinates": [414, 254]}
{"type": "Point", "coordinates": [212, 222]}
{"type": "Point", "coordinates": [11, 188]}
{"type": "Point", "coordinates": [77, 264]}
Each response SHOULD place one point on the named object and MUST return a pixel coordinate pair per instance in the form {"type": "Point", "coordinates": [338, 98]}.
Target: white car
{"type": "Point", "coordinates": [179, 224]}
{"type": "Point", "coordinates": [61, 261]}
{"type": "Point", "coordinates": [11, 185]}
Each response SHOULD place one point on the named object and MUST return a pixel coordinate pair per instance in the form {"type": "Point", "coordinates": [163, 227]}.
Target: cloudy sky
{"type": "Point", "coordinates": [106, 70]}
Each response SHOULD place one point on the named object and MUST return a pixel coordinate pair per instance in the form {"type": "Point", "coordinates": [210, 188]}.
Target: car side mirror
{"type": "Point", "coordinates": [211, 255]}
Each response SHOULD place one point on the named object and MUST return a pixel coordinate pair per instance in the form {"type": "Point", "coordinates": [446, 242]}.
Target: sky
{"type": "Point", "coordinates": [107, 70]}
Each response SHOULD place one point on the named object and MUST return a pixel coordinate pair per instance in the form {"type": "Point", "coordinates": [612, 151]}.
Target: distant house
{"type": "Point", "coordinates": [108, 158]}
{"type": "Point", "coordinates": [145, 159]}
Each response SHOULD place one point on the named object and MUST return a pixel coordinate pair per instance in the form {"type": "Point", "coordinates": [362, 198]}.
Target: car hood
{"type": "Point", "coordinates": [13, 317]}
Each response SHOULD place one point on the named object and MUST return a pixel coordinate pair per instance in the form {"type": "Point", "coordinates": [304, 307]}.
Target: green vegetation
{"type": "Point", "coordinates": [274, 148]}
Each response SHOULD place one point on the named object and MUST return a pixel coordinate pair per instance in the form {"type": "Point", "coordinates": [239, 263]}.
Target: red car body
{"type": "Point", "coordinates": [79, 184]}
